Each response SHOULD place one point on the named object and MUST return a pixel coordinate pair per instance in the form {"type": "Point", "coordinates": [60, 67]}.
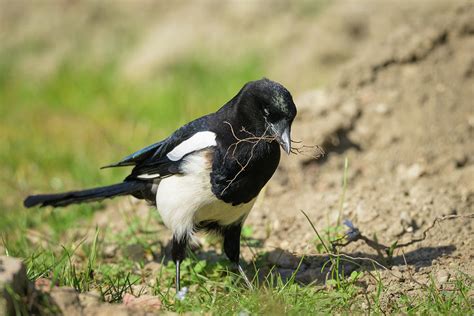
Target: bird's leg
{"type": "Point", "coordinates": [244, 276]}
{"type": "Point", "coordinates": [232, 249]}
{"type": "Point", "coordinates": [178, 274]}
{"type": "Point", "coordinates": [178, 253]}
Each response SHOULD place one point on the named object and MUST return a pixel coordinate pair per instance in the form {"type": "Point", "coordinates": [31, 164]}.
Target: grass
{"type": "Point", "coordinates": [56, 132]}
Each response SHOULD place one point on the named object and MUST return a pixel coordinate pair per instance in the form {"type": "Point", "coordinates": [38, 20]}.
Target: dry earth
{"type": "Point", "coordinates": [403, 114]}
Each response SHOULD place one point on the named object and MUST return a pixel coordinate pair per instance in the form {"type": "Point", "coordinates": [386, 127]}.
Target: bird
{"type": "Point", "coordinates": [206, 176]}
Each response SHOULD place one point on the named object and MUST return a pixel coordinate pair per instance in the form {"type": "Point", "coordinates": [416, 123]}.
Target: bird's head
{"type": "Point", "coordinates": [270, 108]}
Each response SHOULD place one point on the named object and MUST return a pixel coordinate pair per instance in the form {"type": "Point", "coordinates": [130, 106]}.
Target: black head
{"type": "Point", "coordinates": [270, 108]}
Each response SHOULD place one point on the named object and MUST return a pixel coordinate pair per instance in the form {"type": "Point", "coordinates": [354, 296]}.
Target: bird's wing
{"type": "Point", "coordinates": [170, 163]}
{"type": "Point", "coordinates": [142, 154]}
{"type": "Point", "coordinates": [164, 158]}
{"type": "Point", "coordinates": [160, 149]}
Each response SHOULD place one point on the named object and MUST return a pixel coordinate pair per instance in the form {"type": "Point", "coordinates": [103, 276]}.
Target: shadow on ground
{"type": "Point", "coordinates": [314, 269]}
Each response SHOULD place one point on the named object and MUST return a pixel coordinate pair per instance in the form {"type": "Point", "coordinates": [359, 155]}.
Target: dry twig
{"type": "Point", "coordinates": [253, 139]}
{"type": "Point", "coordinates": [310, 151]}
{"type": "Point", "coordinates": [354, 235]}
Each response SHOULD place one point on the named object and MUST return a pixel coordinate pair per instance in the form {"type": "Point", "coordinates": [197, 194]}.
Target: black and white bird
{"type": "Point", "coordinates": [207, 174]}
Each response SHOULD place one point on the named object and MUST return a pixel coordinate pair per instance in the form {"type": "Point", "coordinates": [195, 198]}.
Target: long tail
{"type": "Point", "coordinates": [89, 195]}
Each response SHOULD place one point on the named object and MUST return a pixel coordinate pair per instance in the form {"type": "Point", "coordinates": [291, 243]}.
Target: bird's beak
{"type": "Point", "coordinates": [282, 131]}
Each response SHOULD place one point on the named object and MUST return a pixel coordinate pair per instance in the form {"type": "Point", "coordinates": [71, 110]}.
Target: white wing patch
{"type": "Point", "coordinates": [196, 142]}
{"type": "Point", "coordinates": [148, 176]}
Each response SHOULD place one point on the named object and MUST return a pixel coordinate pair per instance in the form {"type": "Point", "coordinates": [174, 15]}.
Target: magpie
{"type": "Point", "coordinates": [207, 175]}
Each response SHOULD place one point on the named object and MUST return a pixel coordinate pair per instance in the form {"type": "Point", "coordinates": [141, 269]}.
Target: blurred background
{"type": "Point", "coordinates": [84, 83]}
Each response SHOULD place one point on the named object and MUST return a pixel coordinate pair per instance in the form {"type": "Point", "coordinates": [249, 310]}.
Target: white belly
{"type": "Point", "coordinates": [186, 200]}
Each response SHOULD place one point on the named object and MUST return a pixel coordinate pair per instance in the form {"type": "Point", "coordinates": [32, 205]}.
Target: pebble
{"type": "Point", "coordinates": [143, 302]}
{"type": "Point", "coordinates": [405, 218]}
{"type": "Point", "coordinates": [396, 230]}
{"type": "Point", "coordinates": [153, 267]}
{"type": "Point", "coordinates": [109, 251]}
{"type": "Point", "coordinates": [412, 172]}
{"type": "Point", "coordinates": [460, 160]}
{"type": "Point", "coordinates": [442, 276]}
{"type": "Point", "coordinates": [415, 171]}
{"type": "Point", "coordinates": [382, 108]}
{"type": "Point", "coordinates": [13, 278]}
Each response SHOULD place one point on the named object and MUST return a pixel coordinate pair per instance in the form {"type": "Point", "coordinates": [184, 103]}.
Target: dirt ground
{"type": "Point", "coordinates": [403, 114]}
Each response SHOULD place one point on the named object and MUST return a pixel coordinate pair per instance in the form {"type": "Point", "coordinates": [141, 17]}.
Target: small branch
{"type": "Point", "coordinates": [252, 140]}
{"type": "Point", "coordinates": [436, 220]}
{"type": "Point", "coordinates": [255, 140]}
{"type": "Point", "coordinates": [310, 151]}
{"type": "Point", "coordinates": [354, 235]}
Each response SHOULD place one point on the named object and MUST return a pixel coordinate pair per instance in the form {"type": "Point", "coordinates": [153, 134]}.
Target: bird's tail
{"type": "Point", "coordinates": [89, 195]}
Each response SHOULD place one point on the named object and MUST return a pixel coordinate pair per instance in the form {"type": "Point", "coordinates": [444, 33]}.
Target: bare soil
{"type": "Point", "coordinates": [403, 114]}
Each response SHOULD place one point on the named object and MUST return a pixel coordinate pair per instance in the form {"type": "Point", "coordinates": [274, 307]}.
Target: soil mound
{"type": "Point", "coordinates": [403, 114]}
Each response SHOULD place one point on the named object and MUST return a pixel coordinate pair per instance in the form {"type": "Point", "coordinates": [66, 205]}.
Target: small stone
{"type": "Point", "coordinates": [382, 108]}
{"type": "Point", "coordinates": [44, 285]}
{"type": "Point", "coordinates": [470, 121]}
{"type": "Point", "coordinates": [415, 171]}
{"type": "Point", "coordinates": [67, 300]}
{"type": "Point", "coordinates": [460, 160]}
{"type": "Point", "coordinates": [442, 276]}
{"type": "Point", "coordinates": [144, 302]}
{"type": "Point", "coordinates": [412, 172]}
{"type": "Point", "coordinates": [13, 277]}
{"type": "Point", "coordinates": [110, 251]}
{"type": "Point", "coordinates": [405, 218]}
{"type": "Point", "coordinates": [153, 267]}
{"type": "Point", "coordinates": [396, 230]}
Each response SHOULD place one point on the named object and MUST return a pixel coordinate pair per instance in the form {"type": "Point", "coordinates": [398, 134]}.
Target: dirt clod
{"type": "Point", "coordinates": [13, 283]}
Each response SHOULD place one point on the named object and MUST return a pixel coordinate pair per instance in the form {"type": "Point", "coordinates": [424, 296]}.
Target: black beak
{"type": "Point", "coordinates": [282, 131]}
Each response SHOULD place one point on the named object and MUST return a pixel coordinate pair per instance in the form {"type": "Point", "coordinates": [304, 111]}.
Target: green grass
{"type": "Point", "coordinates": [57, 132]}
